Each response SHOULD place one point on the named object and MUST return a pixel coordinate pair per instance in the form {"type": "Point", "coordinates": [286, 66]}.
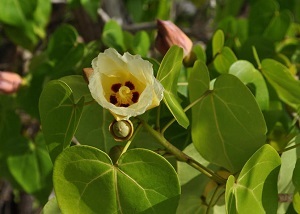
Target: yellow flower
{"type": "Point", "coordinates": [125, 85]}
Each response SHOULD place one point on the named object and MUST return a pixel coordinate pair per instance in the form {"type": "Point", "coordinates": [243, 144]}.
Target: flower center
{"type": "Point", "coordinates": [123, 95]}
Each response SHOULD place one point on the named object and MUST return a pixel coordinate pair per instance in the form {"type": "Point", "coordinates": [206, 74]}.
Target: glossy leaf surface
{"type": "Point", "coordinates": [168, 74]}
{"type": "Point", "coordinates": [256, 186]}
{"type": "Point", "coordinates": [246, 72]}
{"type": "Point", "coordinates": [230, 102]}
{"type": "Point", "coordinates": [141, 181]}
{"type": "Point", "coordinates": [56, 102]}
{"type": "Point", "coordinates": [287, 87]}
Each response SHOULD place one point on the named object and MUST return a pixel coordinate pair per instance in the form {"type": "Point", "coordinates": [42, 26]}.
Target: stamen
{"type": "Point", "coordinates": [124, 105]}
{"type": "Point", "coordinates": [115, 87]}
{"type": "Point", "coordinates": [113, 99]}
{"type": "Point", "coordinates": [135, 96]}
{"type": "Point", "coordinates": [129, 85]}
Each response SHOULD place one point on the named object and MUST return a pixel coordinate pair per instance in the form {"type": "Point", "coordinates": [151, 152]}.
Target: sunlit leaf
{"type": "Point", "coordinates": [141, 43]}
{"type": "Point", "coordinates": [246, 72]}
{"type": "Point", "coordinates": [57, 102]}
{"type": "Point", "coordinates": [112, 36]}
{"type": "Point", "coordinates": [288, 161]}
{"type": "Point", "coordinates": [296, 201]}
{"type": "Point", "coordinates": [287, 87]}
{"type": "Point", "coordinates": [93, 128]}
{"type": "Point", "coordinates": [51, 207]}
{"type": "Point", "coordinates": [168, 74]}
{"type": "Point", "coordinates": [256, 185]}
{"type": "Point", "coordinates": [199, 52]}
{"type": "Point", "coordinates": [228, 126]}
{"type": "Point", "coordinates": [224, 59]}
{"type": "Point", "coordinates": [141, 181]}
{"type": "Point", "coordinates": [217, 42]}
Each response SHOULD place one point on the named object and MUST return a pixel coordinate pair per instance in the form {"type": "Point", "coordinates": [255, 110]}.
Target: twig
{"type": "Point", "coordinates": [182, 156]}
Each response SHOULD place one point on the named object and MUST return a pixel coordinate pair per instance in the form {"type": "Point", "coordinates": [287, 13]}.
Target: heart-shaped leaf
{"type": "Point", "coordinates": [168, 74]}
{"type": "Point", "coordinates": [256, 186]}
{"type": "Point", "coordinates": [227, 124]}
{"type": "Point", "coordinates": [86, 181]}
{"type": "Point", "coordinates": [57, 102]}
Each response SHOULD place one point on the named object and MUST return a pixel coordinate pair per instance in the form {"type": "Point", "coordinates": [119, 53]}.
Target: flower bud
{"type": "Point", "coordinates": [9, 82]}
{"type": "Point", "coordinates": [169, 34]}
{"type": "Point", "coordinates": [121, 130]}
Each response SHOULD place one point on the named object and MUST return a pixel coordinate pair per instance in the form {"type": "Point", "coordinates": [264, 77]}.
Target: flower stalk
{"type": "Point", "coordinates": [181, 156]}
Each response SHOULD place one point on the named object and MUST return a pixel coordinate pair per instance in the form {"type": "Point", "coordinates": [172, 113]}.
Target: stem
{"type": "Point", "coordinates": [157, 125]}
{"type": "Point", "coordinates": [256, 57]}
{"type": "Point", "coordinates": [182, 156]}
{"type": "Point", "coordinates": [89, 103]}
{"type": "Point", "coordinates": [211, 204]}
{"type": "Point", "coordinates": [185, 110]}
{"type": "Point", "coordinates": [290, 148]}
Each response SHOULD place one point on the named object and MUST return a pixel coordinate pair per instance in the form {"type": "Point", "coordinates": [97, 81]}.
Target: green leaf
{"type": "Point", "coordinates": [230, 196]}
{"type": "Point", "coordinates": [86, 181]}
{"type": "Point", "coordinates": [78, 86]}
{"type": "Point", "coordinates": [296, 175]}
{"type": "Point", "coordinates": [278, 26]}
{"type": "Point", "coordinates": [260, 16]}
{"type": "Point", "coordinates": [91, 7]}
{"type": "Point", "coordinates": [60, 116]}
{"type": "Point", "coordinates": [61, 41]}
{"type": "Point", "coordinates": [112, 36]}
{"type": "Point", "coordinates": [185, 172]}
{"type": "Point", "coordinates": [200, 53]}
{"type": "Point", "coordinates": [64, 51]}
{"type": "Point", "coordinates": [141, 43]}
{"type": "Point", "coordinates": [264, 47]}
{"type": "Point", "coordinates": [224, 59]}
{"type": "Point", "coordinates": [288, 161]}
{"type": "Point", "coordinates": [195, 185]}
{"type": "Point", "coordinates": [256, 186]}
{"type": "Point", "coordinates": [230, 102]}
{"type": "Point", "coordinates": [95, 132]}
{"type": "Point", "coordinates": [25, 21]}
{"type": "Point", "coordinates": [51, 207]}
{"type": "Point", "coordinates": [41, 17]}
{"type": "Point", "coordinates": [296, 201]}
{"type": "Point", "coordinates": [31, 166]}
{"type": "Point", "coordinates": [168, 74]}
{"type": "Point", "coordinates": [12, 12]}
{"type": "Point", "coordinates": [217, 42]}
{"type": "Point", "coordinates": [286, 86]}
{"type": "Point", "coordinates": [198, 81]}
{"type": "Point", "coordinates": [246, 72]}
